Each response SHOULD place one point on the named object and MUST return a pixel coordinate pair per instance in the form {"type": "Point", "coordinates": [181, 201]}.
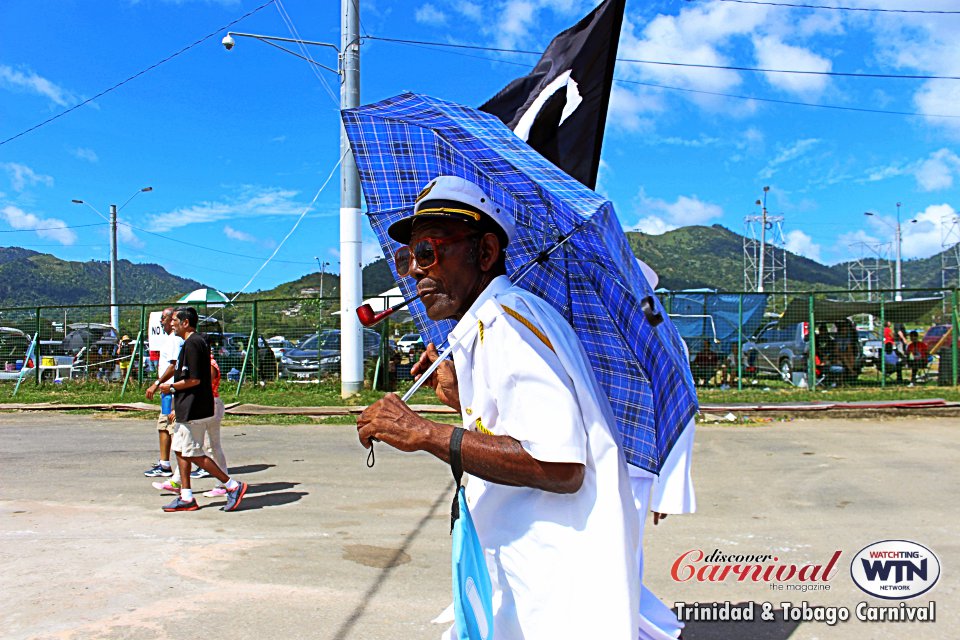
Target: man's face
{"type": "Point", "coordinates": [179, 327]}
{"type": "Point", "coordinates": [166, 321]}
{"type": "Point", "coordinates": [449, 287]}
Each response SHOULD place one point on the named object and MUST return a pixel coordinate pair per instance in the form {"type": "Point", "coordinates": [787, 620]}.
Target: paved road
{"type": "Point", "coordinates": [326, 548]}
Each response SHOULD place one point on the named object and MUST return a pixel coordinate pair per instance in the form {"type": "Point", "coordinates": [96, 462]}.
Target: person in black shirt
{"type": "Point", "coordinates": [194, 409]}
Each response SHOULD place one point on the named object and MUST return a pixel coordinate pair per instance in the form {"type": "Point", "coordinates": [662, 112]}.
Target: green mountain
{"type": "Point", "coordinates": [712, 257]}
{"type": "Point", "coordinates": [28, 279]}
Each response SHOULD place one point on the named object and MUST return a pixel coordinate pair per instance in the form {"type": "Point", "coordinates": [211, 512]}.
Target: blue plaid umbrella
{"type": "Point", "coordinates": [593, 279]}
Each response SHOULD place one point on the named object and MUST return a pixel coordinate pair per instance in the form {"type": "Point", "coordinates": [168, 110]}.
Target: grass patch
{"type": "Point", "coordinates": [326, 393]}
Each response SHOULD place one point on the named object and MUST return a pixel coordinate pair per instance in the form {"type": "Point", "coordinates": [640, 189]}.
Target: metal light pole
{"type": "Point", "coordinates": [898, 241]}
{"type": "Point", "coordinates": [114, 309]}
{"type": "Point", "coordinates": [351, 285]}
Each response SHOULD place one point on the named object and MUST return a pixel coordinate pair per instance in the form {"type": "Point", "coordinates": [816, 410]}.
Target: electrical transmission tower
{"type": "Point", "coordinates": [764, 253]}
{"type": "Point", "coordinates": [950, 256]}
{"type": "Point", "coordinates": [870, 271]}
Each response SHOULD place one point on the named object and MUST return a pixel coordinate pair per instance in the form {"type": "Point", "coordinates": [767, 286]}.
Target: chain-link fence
{"type": "Point", "coordinates": [254, 342]}
{"type": "Point", "coordinates": [818, 338]}
{"type": "Point", "coordinates": [812, 339]}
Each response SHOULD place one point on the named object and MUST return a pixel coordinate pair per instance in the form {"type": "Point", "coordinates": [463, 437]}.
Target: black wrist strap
{"type": "Point", "coordinates": [456, 466]}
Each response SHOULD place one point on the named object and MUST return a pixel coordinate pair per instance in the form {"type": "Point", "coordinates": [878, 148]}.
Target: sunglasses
{"type": "Point", "coordinates": [426, 252]}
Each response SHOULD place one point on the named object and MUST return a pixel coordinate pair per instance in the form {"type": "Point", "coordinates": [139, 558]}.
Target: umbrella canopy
{"type": "Point", "coordinates": [209, 297]}
{"type": "Point", "coordinates": [593, 279]}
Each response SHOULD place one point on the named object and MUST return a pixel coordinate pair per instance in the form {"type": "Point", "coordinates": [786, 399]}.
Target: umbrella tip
{"type": "Point", "coordinates": [649, 308]}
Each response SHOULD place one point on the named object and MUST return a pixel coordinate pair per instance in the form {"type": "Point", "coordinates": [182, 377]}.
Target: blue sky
{"type": "Point", "coordinates": [237, 144]}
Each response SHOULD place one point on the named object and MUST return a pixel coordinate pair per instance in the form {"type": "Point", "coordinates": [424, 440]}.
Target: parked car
{"type": "Point", "coordinates": [410, 343]}
{"type": "Point", "coordinates": [13, 349]}
{"type": "Point", "coordinates": [777, 350]}
{"type": "Point", "coordinates": [280, 345]}
{"type": "Point", "coordinates": [320, 354]}
{"type": "Point", "coordinates": [871, 347]}
{"type": "Point", "coordinates": [230, 349]}
{"type": "Point", "coordinates": [781, 350]}
{"type": "Point", "coordinates": [91, 337]}
{"type": "Point", "coordinates": [936, 337]}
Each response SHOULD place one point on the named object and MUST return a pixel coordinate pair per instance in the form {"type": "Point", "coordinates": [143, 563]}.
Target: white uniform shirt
{"type": "Point", "coordinates": [562, 566]}
{"type": "Point", "coordinates": [169, 351]}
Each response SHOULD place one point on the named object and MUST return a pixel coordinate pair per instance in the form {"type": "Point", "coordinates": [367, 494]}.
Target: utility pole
{"type": "Point", "coordinates": [351, 284]}
{"type": "Point", "coordinates": [114, 309]}
{"type": "Point", "coordinates": [897, 295]}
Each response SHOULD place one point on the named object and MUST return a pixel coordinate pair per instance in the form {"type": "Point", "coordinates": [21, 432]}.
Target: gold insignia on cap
{"type": "Point", "coordinates": [445, 210]}
{"type": "Point", "coordinates": [426, 190]}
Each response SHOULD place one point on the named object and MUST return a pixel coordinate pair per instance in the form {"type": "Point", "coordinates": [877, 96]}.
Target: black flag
{"type": "Point", "coordinates": [560, 109]}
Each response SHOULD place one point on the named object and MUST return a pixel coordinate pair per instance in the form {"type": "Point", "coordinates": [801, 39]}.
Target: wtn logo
{"type": "Point", "coordinates": [895, 569]}
{"type": "Point", "coordinates": [903, 569]}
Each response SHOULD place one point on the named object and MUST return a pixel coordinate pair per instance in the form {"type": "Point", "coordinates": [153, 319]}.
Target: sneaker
{"type": "Point", "coordinates": [158, 472]}
{"type": "Point", "coordinates": [181, 505]}
{"type": "Point", "coordinates": [235, 497]}
{"type": "Point", "coordinates": [167, 485]}
{"type": "Point", "coordinates": [200, 473]}
{"type": "Point", "coordinates": [216, 492]}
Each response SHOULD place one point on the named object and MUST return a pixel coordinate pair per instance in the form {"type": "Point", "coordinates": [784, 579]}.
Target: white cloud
{"type": "Point", "coordinates": [22, 176]}
{"type": "Point", "coordinates": [803, 245]}
{"type": "Point", "coordinates": [28, 81]}
{"type": "Point", "coordinates": [82, 153]}
{"type": "Point", "coordinates": [923, 238]}
{"type": "Point", "coordinates": [789, 154]}
{"type": "Point", "coordinates": [937, 171]}
{"type": "Point", "coordinates": [44, 227]}
{"type": "Point", "coordinates": [235, 234]}
{"type": "Point", "coordinates": [250, 203]}
{"type": "Point", "coordinates": [772, 53]}
{"type": "Point", "coordinates": [659, 216]}
{"type": "Point", "coordinates": [126, 236]}
{"type": "Point", "coordinates": [429, 15]}
{"type": "Point", "coordinates": [470, 10]}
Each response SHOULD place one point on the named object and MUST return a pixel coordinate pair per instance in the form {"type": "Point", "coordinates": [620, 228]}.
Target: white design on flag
{"type": "Point", "coordinates": [573, 101]}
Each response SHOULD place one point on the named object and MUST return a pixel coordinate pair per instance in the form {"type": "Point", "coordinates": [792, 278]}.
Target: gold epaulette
{"type": "Point", "coordinates": [529, 325]}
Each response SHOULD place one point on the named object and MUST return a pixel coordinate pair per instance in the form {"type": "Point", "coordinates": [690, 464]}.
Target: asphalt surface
{"type": "Point", "coordinates": [324, 547]}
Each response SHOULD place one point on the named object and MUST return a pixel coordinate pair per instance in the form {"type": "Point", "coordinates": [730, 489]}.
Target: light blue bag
{"type": "Point", "coordinates": [472, 592]}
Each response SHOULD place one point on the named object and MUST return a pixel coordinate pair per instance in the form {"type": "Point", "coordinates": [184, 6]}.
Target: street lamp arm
{"type": "Point", "coordinates": [228, 43]}
{"type": "Point", "coordinates": [136, 193]}
{"type": "Point", "coordinates": [278, 39]}
{"type": "Point", "coordinates": [92, 207]}
{"type": "Point", "coordinates": [871, 213]}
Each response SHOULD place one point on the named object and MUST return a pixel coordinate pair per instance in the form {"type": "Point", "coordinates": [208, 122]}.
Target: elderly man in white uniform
{"type": "Point", "coordinates": [548, 487]}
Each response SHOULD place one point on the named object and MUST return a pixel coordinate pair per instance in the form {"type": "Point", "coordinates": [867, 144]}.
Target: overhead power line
{"type": "Point", "coordinates": [138, 74]}
{"type": "Point", "coordinates": [679, 64]}
{"type": "Point", "coordinates": [791, 5]}
{"type": "Point", "coordinates": [206, 248]}
{"type": "Point", "coordinates": [790, 102]}
{"type": "Point", "coordinates": [75, 226]}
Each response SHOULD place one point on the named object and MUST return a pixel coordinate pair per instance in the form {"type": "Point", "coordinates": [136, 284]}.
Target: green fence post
{"type": "Point", "coordinates": [243, 368]}
{"type": "Point", "coordinates": [812, 355]}
{"type": "Point", "coordinates": [740, 343]}
{"type": "Point", "coordinates": [136, 350]}
{"type": "Point", "coordinates": [883, 345]}
{"type": "Point", "coordinates": [38, 352]}
{"type": "Point", "coordinates": [143, 332]}
{"type": "Point", "coordinates": [953, 341]}
{"type": "Point", "coordinates": [255, 345]}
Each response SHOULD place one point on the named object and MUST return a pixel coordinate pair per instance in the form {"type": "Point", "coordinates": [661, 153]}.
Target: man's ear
{"type": "Point", "coordinates": [489, 251]}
